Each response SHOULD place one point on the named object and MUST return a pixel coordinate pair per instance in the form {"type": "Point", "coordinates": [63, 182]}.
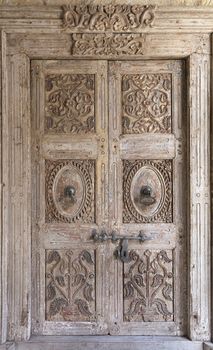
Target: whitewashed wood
{"type": "Point", "coordinates": [169, 20]}
{"type": "Point", "coordinates": [3, 278]}
{"type": "Point", "coordinates": [1, 210]}
{"type": "Point", "coordinates": [68, 235]}
{"type": "Point", "coordinates": [155, 45]}
{"type": "Point", "coordinates": [19, 223]}
{"type": "Point", "coordinates": [111, 343]}
{"type": "Point", "coordinates": [7, 346]}
{"type": "Point", "coordinates": [199, 196]}
{"type": "Point", "coordinates": [133, 146]}
{"type": "Point", "coordinates": [47, 19]}
{"type": "Point", "coordinates": [5, 195]}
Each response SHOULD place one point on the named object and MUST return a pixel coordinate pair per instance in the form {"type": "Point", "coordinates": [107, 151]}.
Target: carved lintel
{"type": "Point", "coordinates": [107, 44]}
{"type": "Point", "coordinates": [102, 18]}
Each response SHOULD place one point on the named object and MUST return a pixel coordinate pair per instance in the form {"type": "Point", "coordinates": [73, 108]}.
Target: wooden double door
{"type": "Point", "coordinates": [109, 197]}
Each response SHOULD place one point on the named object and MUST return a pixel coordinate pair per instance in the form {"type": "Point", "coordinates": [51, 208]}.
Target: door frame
{"type": "Point", "coordinates": [53, 33]}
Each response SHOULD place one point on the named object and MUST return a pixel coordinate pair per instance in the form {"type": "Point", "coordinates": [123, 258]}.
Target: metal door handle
{"type": "Point", "coordinates": [146, 197]}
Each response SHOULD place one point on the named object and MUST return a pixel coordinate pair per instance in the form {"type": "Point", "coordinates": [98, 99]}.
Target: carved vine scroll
{"type": "Point", "coordinates": [102, 18]}
{"type": "Point", "coordinates": [107, 44]}
{"type": "Point", "coordinates": [146, 103]}
{"type": "Point", "coordinates": [69, 102]}
{"type": "Point", "coordinates": [148, 286]}
{"type": "Point", "coordinates": [70, 285]}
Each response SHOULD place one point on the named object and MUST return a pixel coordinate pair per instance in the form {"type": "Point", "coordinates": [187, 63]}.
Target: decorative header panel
{"type": "Point", "coordinates": [110, 18]}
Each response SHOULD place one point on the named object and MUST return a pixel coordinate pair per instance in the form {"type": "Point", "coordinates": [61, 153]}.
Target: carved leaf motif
{"type": "Point", "coordinates": [62, 266]}
{"type": "Point", "coordinates": [56, 305]}
{"type": "Point", "coordinates": [108, 45]}
{"type": "Point", "coordinates": [51, 293]}
{"type": "Point", "coordinates": [78, 279]}
{"type": "Point", "coordinates": [141, 267]}
{"type": "Point", "coordinates": [128, 290]}
{"type": "Point", "coordinates": [104, 18]}
{"type": "Point", "coordinates": [53, 257]}
{"type": "Point", "coordinates": [136, 305]}
{"type": "Point", "coordinates": [139, 280]}
{"type": "Point", "coordinates": [87, 256]}
{"type": "Point", "coordinates": [147, 293]}
{"type": "Point", "coordinates": [60, 280]}
{"type": "Point", "coordinates": [162, 307]}
{"type": "Point", "coordinates": [83, 307]}
{"type": "Point", "coordinates": [70, 285]}
{"type": "Point", "coordinates": [87, 292]}
{"type": "Point", "coordinates": [154, 266]}
{"type": "Point", "coordinates": [167, 290]}
{"type": "Point", "coordinates": [157, 280]}
{"type": "Point", "coordinates": [164, 255]}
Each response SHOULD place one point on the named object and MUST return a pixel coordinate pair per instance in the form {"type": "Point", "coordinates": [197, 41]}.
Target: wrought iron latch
{"type": "Point", "coordinates": [121, 251]}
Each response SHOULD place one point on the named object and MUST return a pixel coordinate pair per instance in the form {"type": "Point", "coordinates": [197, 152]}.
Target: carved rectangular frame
{"type": "Point", "coordinates": [32, 33]}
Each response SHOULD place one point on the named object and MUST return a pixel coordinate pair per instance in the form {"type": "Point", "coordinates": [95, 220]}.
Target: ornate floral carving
{"type": "Point", "coordinates": [107, 44]}
{"type": "Point", "coordinates": [60, 176]}
{"type": "Point", "coordinates": [69, 103]}
{"type": "Point", "coordinates": [70, 285]}
{"type": "Point", "coordinates": [102, 18]}
{"type": "Point", "coordinates": [148, 286]}
{"type": "Point", "coordinates": [131, 191]}
{"type": "Point", "coordinates": [146, 103]}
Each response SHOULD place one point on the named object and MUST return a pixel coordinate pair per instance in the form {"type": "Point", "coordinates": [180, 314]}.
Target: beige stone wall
{"type": "Point", "coordinates": [157, 2]}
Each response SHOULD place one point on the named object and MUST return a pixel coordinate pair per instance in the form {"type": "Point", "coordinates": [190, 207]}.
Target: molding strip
{"type": "Point", "coordinates": [19, 210]}
{"type": "Point", "coordinates": [199, 222]}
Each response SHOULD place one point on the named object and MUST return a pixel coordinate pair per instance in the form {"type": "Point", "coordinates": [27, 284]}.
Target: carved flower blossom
{"type": "Point", "coordinates": [109, 9]}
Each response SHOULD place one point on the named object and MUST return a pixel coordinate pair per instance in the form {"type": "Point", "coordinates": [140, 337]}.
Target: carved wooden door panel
{"type": "Point", "coordinates": [121, 181]}
{"type": "Point", "coordinates": [147, 186]}
{"type": "Point", "coordinates": [69, 180]}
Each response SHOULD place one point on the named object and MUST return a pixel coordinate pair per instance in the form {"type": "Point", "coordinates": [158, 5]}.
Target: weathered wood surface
{"type": "Point", "coordinates": [111, 343]}
{"type": "Point", "coordinates": [199, 197]}
{"type": "Point", "coordinates": [37, 33]}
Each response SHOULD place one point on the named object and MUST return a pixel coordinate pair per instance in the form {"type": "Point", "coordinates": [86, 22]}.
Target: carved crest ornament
{"type": "Point", "coordinates": [107, 30]}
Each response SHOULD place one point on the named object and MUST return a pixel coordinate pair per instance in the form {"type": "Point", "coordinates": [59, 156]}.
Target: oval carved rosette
{"type": "Point", "coordinates": [155, 175]}
{"type": "Point", "coordinates": [61, 176]}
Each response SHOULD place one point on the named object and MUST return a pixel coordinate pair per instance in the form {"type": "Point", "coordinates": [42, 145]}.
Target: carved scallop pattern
{"type": "Point", "coordinates": [69, 103]}
{"type": "Point", "coordinates": [60, 175]}
{"type": "Point", "coordinates": [146, 103]}
{"type": "Point", "coordinates": [154, 173]}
